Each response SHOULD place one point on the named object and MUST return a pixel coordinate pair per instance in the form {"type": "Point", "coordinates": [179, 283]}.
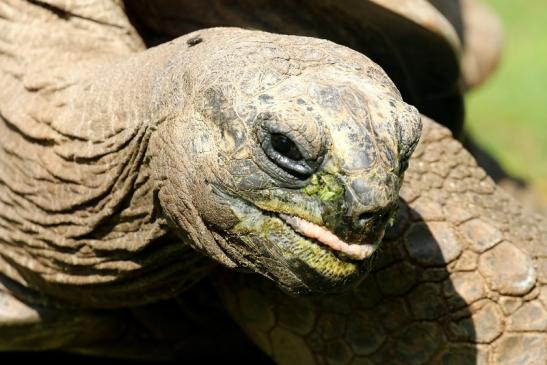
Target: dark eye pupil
{"type": "Point", "coordinates": [286, 147]}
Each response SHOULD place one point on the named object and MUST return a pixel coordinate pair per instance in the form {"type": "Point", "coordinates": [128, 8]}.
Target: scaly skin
{"type": "Point", "coordinates": [104, 177]}
{"type": "Point", "coordinates": [118, 166]}
{"type": "Point", "coordinates": [393, 33]}
{"type": "Point", "coordinates": [428, 301]}
{"type": "Point", "coordinates": [461, 279]}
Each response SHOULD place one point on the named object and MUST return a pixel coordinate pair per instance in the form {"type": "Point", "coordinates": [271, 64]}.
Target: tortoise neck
{"type": "Point", "coordinates": [79, 218]}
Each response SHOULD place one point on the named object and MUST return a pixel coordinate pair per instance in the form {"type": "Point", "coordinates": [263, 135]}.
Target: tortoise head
{"type": "Point", "coordinates": [294, 152]}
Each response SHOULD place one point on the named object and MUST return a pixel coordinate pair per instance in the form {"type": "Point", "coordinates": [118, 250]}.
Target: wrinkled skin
{"type": "Point", "coordinates": [392, 33]}
{"type": "Point", "coordinates": [460, 279]}
{"type": "Point", "coordinates": [119, 166]}
{"type": "Point", "coordinates": [221, 187]}
{"type": "Point", "coordinates": [345, 119]}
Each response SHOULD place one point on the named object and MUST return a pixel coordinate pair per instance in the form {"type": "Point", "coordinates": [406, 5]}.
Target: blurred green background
{"type": "Point", "coordinates": [508, 114]}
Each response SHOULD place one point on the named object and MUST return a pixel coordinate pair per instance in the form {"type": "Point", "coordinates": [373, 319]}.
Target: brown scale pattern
{"type": "Point", "coordinates": [461, 279]}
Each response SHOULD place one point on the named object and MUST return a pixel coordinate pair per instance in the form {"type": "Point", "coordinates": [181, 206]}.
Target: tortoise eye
{"type": "Point", "coordinates": [285, 146]}
{"type": "Point", "coordinates": [283, 152]}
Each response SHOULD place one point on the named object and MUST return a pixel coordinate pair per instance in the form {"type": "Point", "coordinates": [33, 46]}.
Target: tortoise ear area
{"type": "Point", "coordinates": [409, 127]}
{"type": "Point", "coordinates": [215, 106]}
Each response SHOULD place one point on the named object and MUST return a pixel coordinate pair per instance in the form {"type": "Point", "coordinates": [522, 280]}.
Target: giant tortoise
{"type": "Point", "coordinates": [140, 188]}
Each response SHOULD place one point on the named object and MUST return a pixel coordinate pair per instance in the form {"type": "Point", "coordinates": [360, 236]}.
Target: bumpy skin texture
{"type": "Point", "coordinates": [177, 140]}
{"type": "Point", "coordinates": [461, 279]}
{"type": "Point", "coordinates": [393, 33]}
{"type": "Point", "coordinates": [116, 165]}
{"type": "Point", "coordinates": [346, 121]}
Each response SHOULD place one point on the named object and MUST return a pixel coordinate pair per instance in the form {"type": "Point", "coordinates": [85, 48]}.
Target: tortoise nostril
{"type": "Point", "coordinates": [373, 216]}
{"type": "Point", "coordinates": [366, 217]}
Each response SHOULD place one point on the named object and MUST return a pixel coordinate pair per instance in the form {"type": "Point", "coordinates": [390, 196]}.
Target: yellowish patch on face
{"type": "Point", "coordinates": [324, 186]}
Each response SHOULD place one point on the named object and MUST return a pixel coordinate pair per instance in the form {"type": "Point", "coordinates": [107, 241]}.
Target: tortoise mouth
{"type": "Point", "coordinates": [322, 235]}
{"type": "Point", "coordinates": [274, 242]}
{"type": "Point", "coordinates": [319, 240]}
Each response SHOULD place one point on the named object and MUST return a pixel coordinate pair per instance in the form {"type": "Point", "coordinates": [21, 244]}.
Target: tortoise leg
{"type": "Point", "coordinates": [185, 328]}
{"type": "Point", "coordinates": [197, 329]}
{"type": "Point", "coordinates": [30, 326]}
{"type": "Point", "coordinates": [462, 279]}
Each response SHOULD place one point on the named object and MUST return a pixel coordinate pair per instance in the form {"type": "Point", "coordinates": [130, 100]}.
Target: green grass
{"type": "Point", "coordinates": [508, 115]}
